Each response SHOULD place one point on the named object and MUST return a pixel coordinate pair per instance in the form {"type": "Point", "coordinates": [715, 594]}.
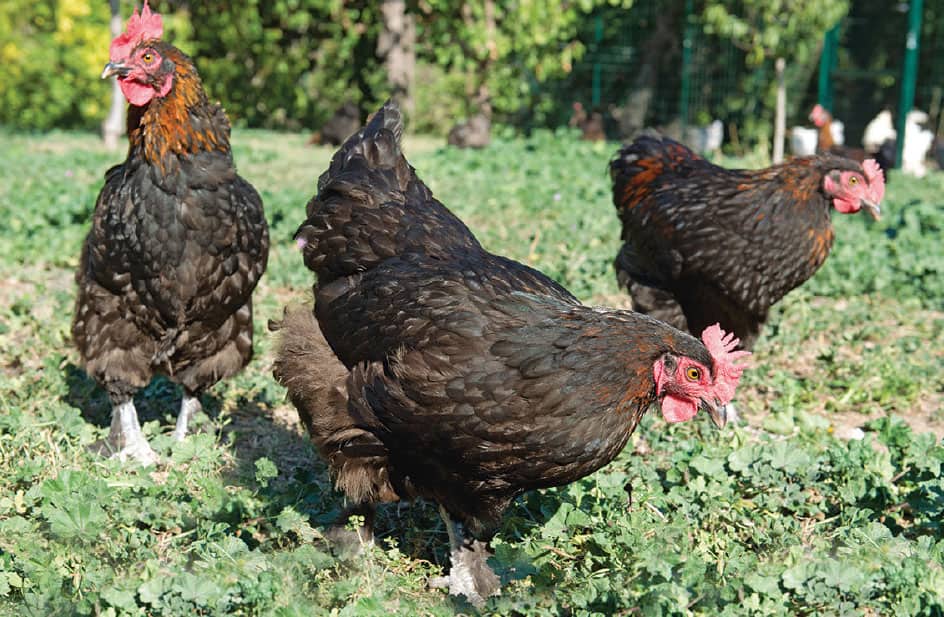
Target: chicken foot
{"type": "Point", "coordinates": [469, 574]}
{"type": "Point", "coordinates": [125, 437]}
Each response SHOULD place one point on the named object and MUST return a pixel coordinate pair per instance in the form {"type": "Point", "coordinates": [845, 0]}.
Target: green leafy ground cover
{"type": "Point", "coordinates": [782, 515]}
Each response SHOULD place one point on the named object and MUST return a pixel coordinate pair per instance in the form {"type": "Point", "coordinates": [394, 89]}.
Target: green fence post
{"type": "Point", "coordinates": [909, 75]}
{"type": "Point", "coordinates": [827, 63]}
{"type": "Point", "coordinates": [597, 69]}
{"type": "Point", "coordinates": [686, 65]}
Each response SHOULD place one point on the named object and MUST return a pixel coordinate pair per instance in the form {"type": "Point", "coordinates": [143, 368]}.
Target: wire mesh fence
{"type": "Point", "coordinates": [655, 65]}
{"type": "Point", "coordinates": [654, 68]}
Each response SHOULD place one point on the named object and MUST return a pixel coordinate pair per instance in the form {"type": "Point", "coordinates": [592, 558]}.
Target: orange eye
{"type": "Point", "coordinates": [693, 374]}
{"type": "Point", "coordinates": [853, 180]}
{"type": "Point", "coordinates": [148, 58]}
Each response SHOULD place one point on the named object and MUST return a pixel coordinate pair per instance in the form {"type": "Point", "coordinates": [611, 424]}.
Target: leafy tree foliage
{"type": "Point", "coordinates": [288, 63]}
{"type": "Point", "coordinates": [494, 43]}
{"type": "Point", "coordinates": [774, 28]}
{"type": "Point", "coordinates": [291, 63]}
{"type": "Point", "coordinates": [765, 30]}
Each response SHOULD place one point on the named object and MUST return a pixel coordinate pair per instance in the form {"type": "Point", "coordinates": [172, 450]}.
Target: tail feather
{"type": "Point", "coordinates": [371, 206]}
{"type": "Point", "coordinates": [377, 144]}
{"type": "Point", "coordinates": [648, 162]}
{"type": "Point", "coordinates": [317, 385]}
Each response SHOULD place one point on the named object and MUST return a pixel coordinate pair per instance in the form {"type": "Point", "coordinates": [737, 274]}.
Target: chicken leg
{"type": "Point", "coordinates": [469, 574]}
{"type": "Point", "coordinates": [189, 406]}
{"type": "Point", "coordinates": [347, 542]}
{"type": "Point", "coordinates": [125, 437]}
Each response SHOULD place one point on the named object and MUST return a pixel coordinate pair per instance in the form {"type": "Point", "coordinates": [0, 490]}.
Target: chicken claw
{"type": "Point", "coordinates": [126, 439]}
{"type": "Point", "coordinates": [470, 574]}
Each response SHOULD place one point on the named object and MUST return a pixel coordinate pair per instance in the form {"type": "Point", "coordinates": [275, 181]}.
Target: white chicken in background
{"type": "Point", "coordinates": [803, 140]}
{"type": "Point", "coordinates": [878, 131]}
{"type": "Point", "coordinates": [918, 142]}
{"type": "Point", "coordinates": [838, 130]}
{"type": "Point", "coordinates": [705, 139]}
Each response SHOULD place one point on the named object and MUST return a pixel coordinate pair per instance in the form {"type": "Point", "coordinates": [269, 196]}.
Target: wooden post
{"type": "Point", "coordinates": [780, 120]}
{"type": "Point", "coordinates": [113, 126]}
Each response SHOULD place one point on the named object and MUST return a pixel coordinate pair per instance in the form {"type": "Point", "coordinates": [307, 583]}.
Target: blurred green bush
{"type": "Point", "coordinates": [288, 63]}
{"type": "Point", "coordinates": [51, 55]}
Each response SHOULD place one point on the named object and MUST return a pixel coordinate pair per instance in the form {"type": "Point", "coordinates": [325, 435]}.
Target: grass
{"type": "Point", "coordinates": [783, 515]}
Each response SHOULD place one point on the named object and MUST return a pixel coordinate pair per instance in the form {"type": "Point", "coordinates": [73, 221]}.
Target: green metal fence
{"type": "Point", "coordinates": [658, 67]}
{"type": "Point", "coordinates": [884, 56]}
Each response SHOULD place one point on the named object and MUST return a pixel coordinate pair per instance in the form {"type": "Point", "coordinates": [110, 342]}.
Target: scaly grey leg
{"type": "Point", "coordinates": [126, 437]}
{"type": "Point", "coordinates": [452, 529]}
{"type": "Point", "coordinates": [469, 574]}
{"type": "Point", "coordinates": [189, 407]}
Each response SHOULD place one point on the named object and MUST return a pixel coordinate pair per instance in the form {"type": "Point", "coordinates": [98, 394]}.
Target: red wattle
{"type": "Point", "coordinates": [675, 409]}
{"type": "Point", "coordinates": [136, 93]}
{"type": "Point", "coordinates": [845, 206]}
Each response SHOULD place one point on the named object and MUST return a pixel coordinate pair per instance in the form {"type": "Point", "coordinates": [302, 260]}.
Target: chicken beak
{"type": "Point", "coordinates": [716, 411]}
{"type": "Point", "coordinates": [873, 209]}
{"type": "Point", "coordinates": [115, 68]}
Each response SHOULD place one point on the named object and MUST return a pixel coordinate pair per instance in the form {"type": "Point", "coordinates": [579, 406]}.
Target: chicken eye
{"type": "Point", "coordinates": [853, 180]}
{"type": "Point", "coordinates": [148, 58]}
{"type": "Point", "coordinates": [693, 373]}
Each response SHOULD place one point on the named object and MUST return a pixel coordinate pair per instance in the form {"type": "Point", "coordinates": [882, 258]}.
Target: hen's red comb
{"type": "Point", "coordinates": [876, 178]}
{"type": "Point", "coordinates": [140, 28]}
{"type": "Point", "coordinates": [721, 346]}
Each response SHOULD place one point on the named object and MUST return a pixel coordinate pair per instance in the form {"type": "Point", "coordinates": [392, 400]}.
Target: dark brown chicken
{"type": "Point", "coordinates": [476, 132]}
{"type": "Point", "coordinates": [590, 125]}
{"type": "Point", "coordinates": [703, 244]}
{"type": "Point", "coordinates": [178, 242]}
{"type": "Point", "coordinates": [465, 378]}
{"type": "Point", "coordinates": [344, 123]}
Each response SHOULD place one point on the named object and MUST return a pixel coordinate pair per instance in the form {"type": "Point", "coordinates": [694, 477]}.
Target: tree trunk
{"type": "Point", "coordinates": [396, 45]}
{"type": "Point", "coordinates": [660, 46]}
{"type": "Point", "coordinates": [114, 125]}
{"type": "Point", "coordinates": [780, 121]}
{"type": "Point", "coordinates": [483, 97]}
{"type": "Point", "coordinates": [476, 86]}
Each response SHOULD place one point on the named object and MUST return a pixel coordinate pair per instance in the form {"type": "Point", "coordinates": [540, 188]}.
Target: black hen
{"type": "Point", "coordinates": [703, 244]}
{"type": "Point", "coordinates": [468, 378]}
{"type": "Point", "coordinates": [177, 245]}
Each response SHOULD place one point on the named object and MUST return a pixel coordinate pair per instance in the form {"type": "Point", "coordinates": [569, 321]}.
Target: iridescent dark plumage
{"type": "Point", "coordinates": [177, 245]}
{"type": "Point", "coordinates": [704, 244]}
{"type": "Point", "coordinates": [472, 378]}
